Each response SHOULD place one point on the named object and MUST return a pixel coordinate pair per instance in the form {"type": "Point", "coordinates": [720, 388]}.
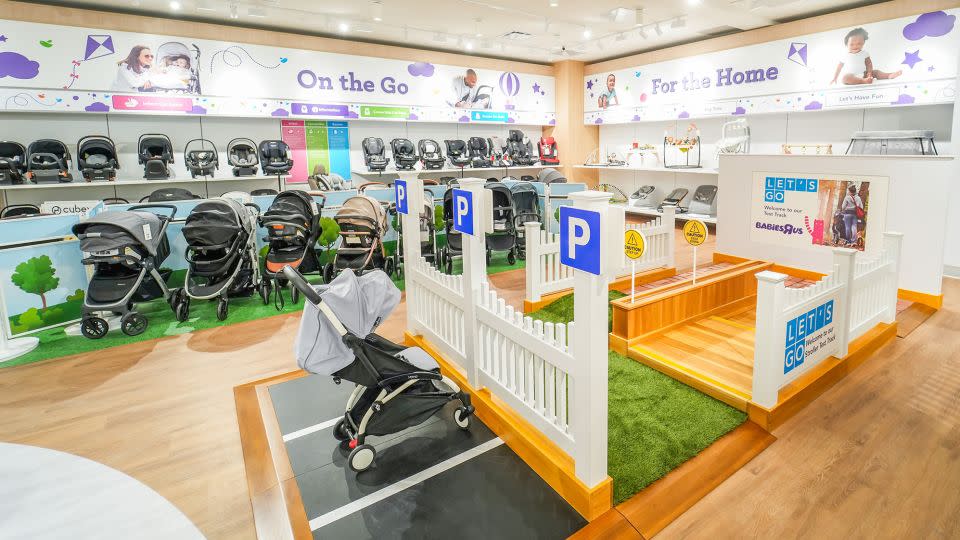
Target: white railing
{"type": "Point", "coordinates": [437, 307]}
{"type": "Point", "coordinates": [545, 274]}
{"type": "Point", "coordinates": [799, 328]}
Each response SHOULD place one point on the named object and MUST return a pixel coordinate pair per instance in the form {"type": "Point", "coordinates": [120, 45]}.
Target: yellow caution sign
{"type": "Point", "coordinates": [634, 244]}
{"type": "Point", "coordinates": [695, 232]}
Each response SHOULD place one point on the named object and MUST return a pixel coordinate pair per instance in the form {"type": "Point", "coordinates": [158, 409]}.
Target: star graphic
{"type": "Point", "coordinates": [536, 88]}
{"type": "Point", "coordinates": [930, 68]}
{"type": "Point", "coordinates": [590, 85]}
{"type": "Point", "coordinates": [3, 38]}
{"type": "Point", "coordinates": [911, 59]}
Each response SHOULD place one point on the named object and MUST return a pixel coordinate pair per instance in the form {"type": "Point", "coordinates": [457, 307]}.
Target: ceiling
{"type": "Point", "coordinates": [550, 30]}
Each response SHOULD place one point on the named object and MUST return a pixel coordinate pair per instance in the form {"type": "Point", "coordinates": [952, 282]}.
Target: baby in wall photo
{"type": "Point", "coordinates": [856, 66]}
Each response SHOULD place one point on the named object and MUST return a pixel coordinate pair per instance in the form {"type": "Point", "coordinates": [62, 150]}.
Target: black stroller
{"type": "Point", "coordinates": [397, 387]}
{"type": "Point", "coordinates": [404, 154]}
{"type": "Point", "coordinates": [526, 202]}
{"type": "Point", "coordinates": [155, 153]}
{"type": "Point", "coordinates": [504, 234]}
{"type": "Point", "coordinates": [427, 234]}
{"type": "Point", "coordinates": [222, 258]}
{"type": "Point", "coordinates": [374, 154]}
{"type": "Point", "coordinates": [201, 158]}
{"type": "Point", "coordinates": [48, 161]}
{"type": "Point", "coordinates": [457, 152]}
{"type": "Point", "coordinates": [430, 155]}
{"type": "Point", "coordinates": [126, 249]}
{"type": "Point", "coordinates": [97, 158]}
{"type": "Point", "coordinates": [13, 162]}
{"type": "Point", "coordinates": [363, 223]}
{"type": "Point", "coordinates": [293, 226]}
{"type": "Point", "coordinates": [479, 152]}
{"type": "Point", "coordinates": [275, 157]}
{"type": "Point", "coordinates": [242, 156]}
{"type": "Point", "coordinates": [163, 195]}
{"type": "Point", "coordinates": [454, 247]}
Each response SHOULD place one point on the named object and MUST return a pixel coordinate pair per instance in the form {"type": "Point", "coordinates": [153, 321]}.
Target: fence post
{"type": "Point", "coordinates": [531, 236]}
{"type": "Point", "coordinates": [770, 339]}
{"type": "Point", "coordinates": [892, 242]}
{"type": "Point", "coordinates": [410, 222]}
{"type": "Point", "coordinates": [474, 275]}
{"type": "Point", "coordinates": [843, 265]}
{"type": "Point", "coordinates": [590, 401]}
{"type": "Point", "coordinates": [670, 220]}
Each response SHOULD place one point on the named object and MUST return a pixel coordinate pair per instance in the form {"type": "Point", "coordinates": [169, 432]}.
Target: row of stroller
{"type": "Point", "coordinates": [49, 160]}
{"type": "Point", "coordinates": [477, 152]}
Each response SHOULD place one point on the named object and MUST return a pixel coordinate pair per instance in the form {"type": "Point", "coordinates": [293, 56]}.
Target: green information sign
{"type": "Point", "coordinates": [374, 111]}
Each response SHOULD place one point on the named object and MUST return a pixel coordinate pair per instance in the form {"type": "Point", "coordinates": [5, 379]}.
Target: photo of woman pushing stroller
{"type": "Point", "coordinates": [173, 69]}
{"type": "Point", "coordinates": [850, 217]}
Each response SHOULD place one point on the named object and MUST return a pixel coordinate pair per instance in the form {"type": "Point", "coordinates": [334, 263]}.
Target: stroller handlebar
{"type": "Point", "coordinates": [170, 207]}
{"type": "Point", "coordinates": [296, 279]}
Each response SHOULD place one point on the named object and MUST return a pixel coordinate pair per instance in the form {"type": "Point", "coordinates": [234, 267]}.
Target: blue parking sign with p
{"type": "Point", "coordinates": [463, 211]}
{"type": "Point", "coordinates": [400, 187]}
{"type": "Point", "coordinates": [580, 239]}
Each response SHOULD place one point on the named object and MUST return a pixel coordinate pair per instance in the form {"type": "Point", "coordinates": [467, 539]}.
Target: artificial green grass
{"type": "Point", "coordinates": [561, 310]}
{"type": "Point", "coordinates": [655, 423]}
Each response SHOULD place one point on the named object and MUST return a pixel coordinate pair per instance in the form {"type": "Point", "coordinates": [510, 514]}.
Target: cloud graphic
{"type": "Point", "coordinates": [598, 121]}
{"type": "Point", "coordinates": [553, 122]}
{"type": "Point", "coordinates": [97, 107]}
{"type": "Point", "coordinates": [421, 69]}
{"type": "Point", "coordinates": [351, 114]}
{"type": "Point", "coordinates": [17, 66]}
{"type": "Point", "coordinates": [412, 116]}
{"type": "Point", "coordinates": [813, 106]}
{"type": "Point", "coordinates": [636, 118]}
{"type": "Point", "coordinates": [739, 110]}
{"type": "Point", "coordinates": [280, 112]}
{"type": "Point", "coordinates": [511, 120]}
{"type": "Point", "coordinates": [904, 99]}
{"type": "Point", "coordinates": [196, 109]}
{"type": "Point", "coordinates": [932, 24]}
{"type": "Point", "coordinates": [509, 107]}
{"type": "Point", "coordinates": [463, 119]}
{"type": "Point", "coordinates": [684, 114]}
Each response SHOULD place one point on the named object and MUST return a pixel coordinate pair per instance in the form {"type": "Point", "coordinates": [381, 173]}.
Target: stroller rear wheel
{"type": "Point", "coordinates": [133, 324]}
{"type": "Point", "coordinates": [389, 266]}
{"type": "Point", "coordinates": [328, 273]}
{"type": "Point", "coordinates": [265, 290]}
{"type": "Point", "coordinates": [489, 256]}
{"type": "Point", "coordinates": [340, 431]}
{"type": "Point", "coordinates": [222, 309]}
{"type": "Point", "coordinates": [462, 418]}
{"type": "Point", "coordinates": [361, 457]}
{"type": "Point", "coordinates": [183, 310]}
{"type": "Point", "coordinates": [511, 258]}
{"type": "Point", "coordinates": [94, 327]}
{"type": "Point", "coordinates": [449, 264]}
{"type": "Point", "coordinates": [294, 294]}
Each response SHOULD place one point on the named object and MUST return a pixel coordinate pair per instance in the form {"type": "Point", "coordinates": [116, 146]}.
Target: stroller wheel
{"type": "Point", "coordinates": [182, 312]}
{"type": "Point", "coordinates": [133, 324]}
{"type": "Point", "coordinates": [340, 431]}
{"type": "Point", "coordinates": [389, 266]}
{"type": "Point", "coordinates": [328, 273]}
{"type": "Point", "coordinates": [489, 256]}
{"type": "Point", "coordinates": [294, 294]}
{"type": "Point", "coordinates": [449, 264]}
{"type": "Point", "coordinates": [361, 457]}
{"type": "Point", "coordinates": [511, 258]}
{"type": "Point", "coordinates": [462, 418]}
{"type": "Point", "coordinates": [264, 290]}
{"type": "Point", "coordinates": [94, 327]}
{"type": "Point", "coordinates": [222, 308]}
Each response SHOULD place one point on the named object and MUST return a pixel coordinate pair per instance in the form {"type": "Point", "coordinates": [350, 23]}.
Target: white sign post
{"type": "Point", "coordinates": [695, 233]}
{"type": "Point", "coordinates": [634, 246]}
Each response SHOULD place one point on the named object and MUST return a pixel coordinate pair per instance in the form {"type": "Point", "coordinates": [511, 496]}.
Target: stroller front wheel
{"type": "Point", "coordinates": [133, 324]}
{"type": "Point", "coordinates": [265, 290]}
{"type": "Point", "coordinates": [340, 431]}
{"type": "Point", "coordinates": [511, 258]}
{"type": "Point", "coordinates": [328, 273]}
{"type": "Point", "coordinates": [222, 309]}
{"type": "Point", "coordinates": [389, 266]}
{"type": "Point", "coordinates": [462, 419]}
{"type": "Point", "coordinates": [294, 294]}
{"type": "Point", "coordinates": [361, 457]}
{"type": "Point", "coordinates": [94, 327]}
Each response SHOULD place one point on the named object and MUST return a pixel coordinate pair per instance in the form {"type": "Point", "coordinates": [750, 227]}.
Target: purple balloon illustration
{"type": "Point", "coordinates": [509, 84]}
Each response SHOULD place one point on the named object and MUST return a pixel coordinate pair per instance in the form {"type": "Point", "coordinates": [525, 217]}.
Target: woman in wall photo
{"type": "Point", "coordinates": [133, 72]}
{"type": "Point", "coordinates": [852, 210]}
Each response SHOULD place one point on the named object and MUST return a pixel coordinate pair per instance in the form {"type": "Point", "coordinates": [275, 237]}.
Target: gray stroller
{"type": "Point", "coordinates": [397, 387]}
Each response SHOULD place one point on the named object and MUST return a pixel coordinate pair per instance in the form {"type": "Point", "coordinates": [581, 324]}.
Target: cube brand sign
{"type": "Point", "coordinates": [775, 188]}
{"type": "Point", "coordinates": [463, 211]}
{"type": "Point", "coordinates": [580, 239]}
{"type": "Point", "coordinates": [400, 187]}
{"type": "Point", "coordinates": [807, 334]}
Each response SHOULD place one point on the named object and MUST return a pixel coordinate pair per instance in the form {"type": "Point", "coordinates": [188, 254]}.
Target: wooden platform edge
{"type": "Point", "coordinates": [551, 463]}
{"type": "Point", "coordinates": [932, 300]}
{"type": "Point", "coordinates": [275, 499]}
{"type": "Point", "coordinates": [698, 381]}
{"type": "Point", "coordinates": [647, 276]}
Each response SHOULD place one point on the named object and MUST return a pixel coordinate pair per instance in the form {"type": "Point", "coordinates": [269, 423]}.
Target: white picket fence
{"type": "Point", "coordinates": [437, 301]}
{"type": "Point", "coordinates": [798, 328]}
{"type": "Point", "coordinates": [545, 274]}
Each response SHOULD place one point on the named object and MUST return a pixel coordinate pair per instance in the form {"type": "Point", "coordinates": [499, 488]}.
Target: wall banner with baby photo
{"type": "Point", "coordinates": [906, 61]}
{"type": "Point", "coordinates": [52, 68]}
{"type": "Point", "coordinates": [816, 211]}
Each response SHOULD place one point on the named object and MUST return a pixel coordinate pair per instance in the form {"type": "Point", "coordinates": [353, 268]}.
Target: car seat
{"type": "Point", "coordinates": [479, 152]}
{"type": "Point", "coordinates": [519, 148]}
{"type": "Point", "coordinates": [404, 154]}
{"type": "Point", "coordinates": [155, 153]}
{"type": "Point", "coordinates": [242, 155]}
{"type": "Point", "coordinates": [201, 158]}
{"type": "Point", "coordinates": [457, 152]}
{"type": "Point", "coordinates": [548, 151]}
{"type": "Point", "coordinates": [275, 157]}
{"type": "Point", "coordinates": [97, 158]}
{"type": "Point", "coordinates": [430, 155]}
{"type": "Point", "coordinates": [13, 162]}
{"type": "Point", "coordinates": [48, 160]}
{"type": "Point", "coordinates": [374, 154]}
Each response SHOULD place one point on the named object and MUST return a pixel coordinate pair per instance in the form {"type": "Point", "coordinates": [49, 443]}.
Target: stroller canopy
{"type": "Point", "coordinates": [217, 222]}
{"type": "Point", "coordinates": [292, 206]}
{"type": "Point", "coordinates": [96, 151]}
{"type": "Point", "coordinates": [117, 230]}
{"type": "Point", "coordinates": [242, 153]}
{"type": "Point", "coordinates": [360, 208]}
{"type": "Point", "coordinates": [552, 176]}
{"type": "Point", "coordinates": [525, 198]}
{"type": "Point", "coordinates": [360, 304]}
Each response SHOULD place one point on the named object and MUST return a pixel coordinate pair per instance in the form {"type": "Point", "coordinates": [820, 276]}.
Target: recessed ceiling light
{"type": "Point", "coordinates": [377, 9]}
{"type": "Point", "coordinates": [694, 2]}
{"type": "Point", "coordinates": [554, 3]}
{"type": "Point", "coordinates": [257, 12]}
{"type": "Point", "coordinates": [468, 45]}
{"type": "Point", "coordinates": [587, 33]}
{"type": "Point", "coordinates": [175, 5]}
{"type": "Point", "coordinates": [343, 27]}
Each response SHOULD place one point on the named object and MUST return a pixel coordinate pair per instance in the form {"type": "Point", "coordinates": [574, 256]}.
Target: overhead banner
{"type": "Point", "coordinates": [816, 211]}
{"type": "Point", "coordinates": [898, 62]}
{"type": "Point", "coordinates": [46, 67]}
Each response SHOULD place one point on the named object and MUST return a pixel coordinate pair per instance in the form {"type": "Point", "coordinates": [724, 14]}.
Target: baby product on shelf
{"type": "Point", "coordinates": [901, 143]}
{"type": "Point", "coordinates": [13, 162]}
{"type": "Point", "coordinates": [479, 152]}
{"type": "Point", "coordinates": [685, 145]}
{"type": "Point", "coordinates": [242, 156]}
{"type": "Point", "coordinates": [520, 149]}
{"type": "Point", "coordinates": [619, 197]}
{"type": "Point", "coordinates": [275, 157]}
{"type": "Point", "coordinates": [201, 158]}
{"type": "Point", "coordinates": [404, 154]}
{"type": "Point", "coordinates": [550, 176]}
{"type": "Point", "coordinates": [645, 197]}
{"type": "Point", "coordinates": [155, 153]}
{"type": "Point", "coordinates": [48, 161]}
{"type": "Point", "coordinates": [643, 155]}
{"type": "Point", "coordinates": [498, 155]}
{"type": "Point", "coordinates": [674, 198]}
{"type": "Point", "coordinates": [374, 154]}
{"type": "Point", "coordinates": [704, 201]}
{"type": "Point", "coordinates": [734, 137]}
{"type": "Point", "coordinates": [457, 152]}
{"type": "Point", "coordinates": [549, 155]}
{"type": "Point", "coordinates": [97, 158]}
{"type": "Point", "coordinates": [431, 157]}
{"type": "Point", "coordinates": [807, 149]}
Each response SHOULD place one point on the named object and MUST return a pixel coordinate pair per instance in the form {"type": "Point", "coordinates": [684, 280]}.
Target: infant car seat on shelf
{"type": "Point", "coordinates": [19, 211]}
{"type": "Point", "coordinates": [404, 154]}
{"type": "Point", "coordinates": [155, 153]}
{"type": "Point", "coordinates": [97, 158]}
{"type": "Point", "coordinates": [548, 151]}
{"type": "Point", "coordinates": [275, 157]}
{"type": "Point", "coordinates": [374, 154]}
{"type": "Point", "coordinates": [479, 152]}
{"type": "Point", "coordinates": [48, 160]}
{"type": "Point", "coordinates": [457, 152]}
{"type": "Point", "coordinates": [200, 156]}
{"type": "Point", "coordinates": [430, 155]}
{"type": "Point", "coordinates": [519, 148]}
{"type": "Point", "coordinates": [13, 162]}
{"type": "Point", "coordinates": [242, 156]}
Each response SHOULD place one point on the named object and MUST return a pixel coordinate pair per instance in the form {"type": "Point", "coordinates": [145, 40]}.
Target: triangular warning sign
{"type": "Point", "coordinates": [695, 228]}
{"type": "Point", "coordinates": [632, 241]}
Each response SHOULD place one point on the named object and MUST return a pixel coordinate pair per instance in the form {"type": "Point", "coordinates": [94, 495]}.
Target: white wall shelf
{"type": "Point", "coordinates": [463, 172]}
{"type": "Point", "coordinates": [80, 183]}
{"type": "Point", "coordinates": [653, 212]}
{"type": "Point", "coordinates": [700, 170]}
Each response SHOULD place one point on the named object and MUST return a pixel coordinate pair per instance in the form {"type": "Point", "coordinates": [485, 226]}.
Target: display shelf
{"type": "Point", "coordinates": [140, 182]}
{"type": "Point", "coordinates": [462, 171]}
{"type": "Point", "coordinates": [701, 170]}
{"type": "Point", "coordinates": [651, 212]}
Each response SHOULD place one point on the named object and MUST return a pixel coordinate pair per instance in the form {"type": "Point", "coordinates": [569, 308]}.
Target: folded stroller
{"type": "Point", "coordinates": [430, 155]}
{"type": "Point", "coordinates": [125, 249]}
{"type": "Point", "coordinates": [548, 151]}
{"type": "Point", "coordinates": [396, 387]}
{"type": "Point", "coordinates": [427, 234]}
{"type": "Point", "coordinates": [201, 158]}
{"type": "Point", "coordinates": [454, 247]}
{"type": "Point", "coordinates": [479, 152]}
{"type": "Point", "coordinates": [504, 235]}
{"type": "Point", "coordinates": [374, 154]}
{"type": "Point", "coordinates": [457, 152]}
{"type": "Point", "coordinates": [242, 156]}
{"type": "Point", "coordinates": [155, 153]}
{"type": "Point", "coordinates": [363, 223]}
{"type": "Point", "coordinates": [293, 226]}
{"type": "Point", "coordinates": [48, 160]}
{"type": "Point", "coordinates": [275, 157]}
{"type": "Point", "coordinates": [520, 149]}
{"type": "Point", "coordinates": [222, 258]}
{"type": "Point", "coordinates": [13, 162]}
{"type": "Point", "coordinates": [526, 203]}
{"type": "Point", "coordinates": [97, 158]}
{"type": "Point", "coordinates": [169, 195]}
{"type": "Point", "coordinates": [404, 154]}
